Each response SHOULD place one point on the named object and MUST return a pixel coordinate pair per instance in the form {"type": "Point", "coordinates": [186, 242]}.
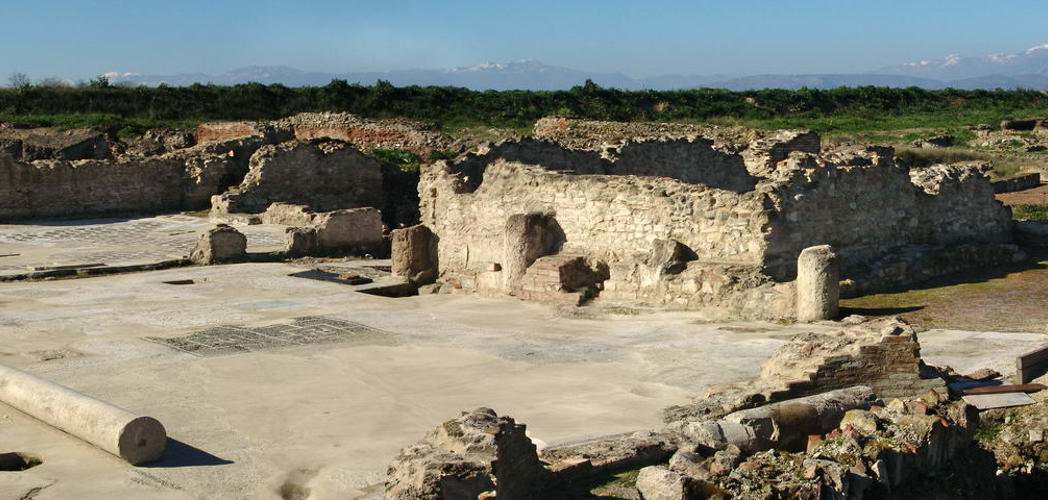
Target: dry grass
{"type": "Point", "coordinates": [1005, 299]}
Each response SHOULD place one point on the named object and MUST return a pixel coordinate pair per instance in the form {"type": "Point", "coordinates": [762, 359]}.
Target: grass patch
{"type": "Point", "coordinates": [1031, 212]}
{"type": "Point", "coordinates": [406, 161]}
{"type": "Point", "coordinates": [617, 484]}
{"type": "Point", "coordinates": [125, 128]}
{"type": "Point", "coordinates": [922, 157]}
{"type": "Point", "coordinates": [987, 433]}
{"type": "Point", "coordinates": [1008, 298]}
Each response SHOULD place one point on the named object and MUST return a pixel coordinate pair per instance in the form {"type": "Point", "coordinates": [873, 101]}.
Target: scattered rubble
{"type": "Point", "coordinates": [477, 455]}
{"type": "Point", "coordinates": [160, 141]}
{"type": "Point", "coordinates": [938, 141]}
{"type": "Point", "coordinates": [881, 354]}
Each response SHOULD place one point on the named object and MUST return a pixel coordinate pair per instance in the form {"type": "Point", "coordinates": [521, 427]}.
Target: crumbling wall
{"type": "Point", "coordinates": [595, 134]}
{"type": "Point", "coordinates": [55, 188]}
{"type": "Point", "coordinates": [31, 144]}
{"type": "Point", "coordinates": [326, 175]}
{"type": "Point", "coordinates": [689, 160]}
{"type": "Point", "coordinates": [867, 206]}
{"type": "Point", "coordinates": [228, 131]}
{"type": "Point", "coordinates": [368, 135]}
{"type": "Point", "coordinates": [746, 211]}
{"type": "Point", "coordinates": [182, 180]}
{"type": "Point", "coordinates": [611, 218]}
{"type": "Point", "coordinates": [477, 455]}
{"type": "Point", "coordinates": [884, 355]}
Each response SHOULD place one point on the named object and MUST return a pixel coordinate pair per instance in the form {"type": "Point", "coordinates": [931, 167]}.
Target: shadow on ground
{"type": "Point", "coordinates": [1004, 298]}
{"type": "Point", "coordinates": [179, 454]}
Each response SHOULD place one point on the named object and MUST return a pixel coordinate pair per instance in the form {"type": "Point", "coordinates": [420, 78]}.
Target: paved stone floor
{"type": "Point", "coordinates": [113, 241]}
{"type": "Point", "coordinates": [308, 384]}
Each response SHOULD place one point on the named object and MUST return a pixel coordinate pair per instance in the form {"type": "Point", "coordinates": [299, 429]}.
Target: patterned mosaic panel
{"type": "Point", "coordinates": [232, 339]}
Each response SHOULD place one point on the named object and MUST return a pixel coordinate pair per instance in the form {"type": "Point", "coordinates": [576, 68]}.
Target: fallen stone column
{"type": "Point", "coordinates": [818, 284]}
{"type": "Point", "coordinates": [784, 426]}
{"type": "Point", "coordinates": [134, 438]}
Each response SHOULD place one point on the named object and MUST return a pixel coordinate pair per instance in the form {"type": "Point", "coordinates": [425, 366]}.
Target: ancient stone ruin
{"type": "Point", "coordinates": [869, 420]}
{"type": "Point", "coordinates": [477, 455]}
{"type": "Point", "coordinates": [238, 169]}
{"type": "Point", "coordinates": [690, 222]}
{"type": "Point", "coordinates": [326, 175]}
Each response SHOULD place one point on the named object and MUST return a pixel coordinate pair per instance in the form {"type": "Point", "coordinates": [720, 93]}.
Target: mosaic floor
{"type": "Point", "coordinates": [113, 241]}
{"type": "Point", "coordinates": [233, 339]}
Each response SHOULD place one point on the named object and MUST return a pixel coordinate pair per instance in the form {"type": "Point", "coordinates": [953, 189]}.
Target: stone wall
{"type": "Point", "coordinates": [228, 131]}
{"type": "Point", "coordinates": [606, 216]}
{"type": "Point", "coordinates": [54, 188]}
{"type": "Point", "coordinates": [31, 144]}
{"type": "Point", "coordinates": [884, 356]}
{"type": "Point", "coordinates": [326, 175]}
{"type": "Point", "coordinates": [744, 210]}
{"type": "Point", "coordinates": [867, 207]}
{"type": "Point", "coordinates": [367, 135]}
{"type": "Point", "coordinates": [182, 180]}
{"type": "Point", "coordinates": [1017, 183]}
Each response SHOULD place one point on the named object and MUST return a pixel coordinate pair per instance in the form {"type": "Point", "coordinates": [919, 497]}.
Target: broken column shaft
{"type": "Point", "coordinates": [818, 284]}
{"type": "Point", "coordinates": [134, 438]}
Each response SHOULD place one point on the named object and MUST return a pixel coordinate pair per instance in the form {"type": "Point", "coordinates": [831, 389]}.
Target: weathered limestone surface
{"type": "Point", "coordinates": [31, 144]}
{"type": "Point", "coordinates": [745, 211]}
{"type": "Point", "coordinates": [219, 244]}
{"type": "Point", "coordinates": [818, 284]}
{"type": "Point", "coordinates": [783, 426]}
{"type": "Point", "coordinates": [525, 238]}
{"type": "Point", "coordinates": [660, 483]}
{"type": "Point", "coordinates": [182, 180]}
{"type": "Point", "coordinates": [288, 214]}
{"type": "Point", "coordinates": [883, 355]}
{"type": "Point", "coordinates": [211, 168]}
{"type": "Point", "coordinates": [414, 254]}
{"type": "Point", "coordinates": [477, 455]}
{"type": "Point", "coordinates": [368, 135]}
{"type": "Point", "coordinates": [338, 232]}
{"type": "Point", "coordinates": [57, 188]}
{"type": "Point", "coordinates": [326, 175]}
{"type": "Point", "coordinates": [159, 141]}
{"type": "Point", "coordinates": [134, 438]}
{"type": "Point", "coordinates": [354, 229]}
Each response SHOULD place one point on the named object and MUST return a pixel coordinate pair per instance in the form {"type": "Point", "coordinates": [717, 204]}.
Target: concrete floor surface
{"type": "Point", "coordinates": [253, 419]}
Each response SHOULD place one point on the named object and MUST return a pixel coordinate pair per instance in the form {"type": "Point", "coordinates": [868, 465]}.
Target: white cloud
{"type": "Point", "coordinates": [116, 74]}
{"type": "Point", "coordinates": [1031, 50]}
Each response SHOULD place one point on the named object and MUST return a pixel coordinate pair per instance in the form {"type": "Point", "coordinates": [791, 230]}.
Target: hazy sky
{"type": "Point", "coordinates": [80, 38]}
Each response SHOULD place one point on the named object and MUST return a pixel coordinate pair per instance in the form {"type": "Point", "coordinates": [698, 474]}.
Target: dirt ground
{"type": "Point", "coordinates": [1012, 299]}
{"type": "Point", "coordinates": [1035, 196]}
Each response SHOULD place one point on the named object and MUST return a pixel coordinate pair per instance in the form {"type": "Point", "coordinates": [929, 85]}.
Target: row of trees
{"type": "Point", "coordinates": [450, 105]}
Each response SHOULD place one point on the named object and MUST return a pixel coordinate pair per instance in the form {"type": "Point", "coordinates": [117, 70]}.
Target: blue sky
{"type": "Point", "coordinates": [80, 38]}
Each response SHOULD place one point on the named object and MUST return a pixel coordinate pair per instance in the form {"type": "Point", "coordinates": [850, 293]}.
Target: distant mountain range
{"type": "Point", "coordinates": [1027, 69]}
